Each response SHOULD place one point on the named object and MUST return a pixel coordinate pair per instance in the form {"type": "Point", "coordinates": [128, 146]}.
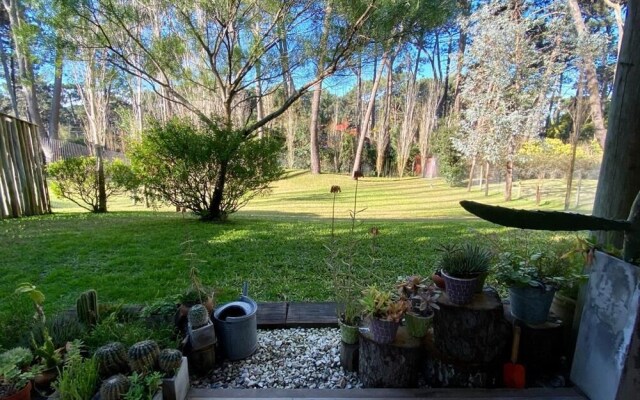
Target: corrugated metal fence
{"type": "Point", "coordinates": [23, 187]}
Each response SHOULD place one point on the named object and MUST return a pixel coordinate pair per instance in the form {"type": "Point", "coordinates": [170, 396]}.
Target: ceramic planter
{"type": "Point", "coordinates": [384, 332]}
{"type": "Point", "coordinates": [348, 333]}
{"type": "Point", "coordinates": [460, 291]}
{"type": "Point", "coordinates": [417, 325]}
{"type": "Point", "coordinates": [202, 337]}
{"type": "Point", "coordinates": [22, 394]}
{"type": "Point", "coordinates": [176, 387]}
{"type": "Point", "coordinates": [531, 304]}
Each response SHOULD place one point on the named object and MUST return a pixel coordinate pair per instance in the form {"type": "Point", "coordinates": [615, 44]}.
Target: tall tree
{"type": "Point", "coordinates": [21, 39]}
{"type": "Point", "coordinates": [619, 180]}
{"type": "Point", "coordinates": [595, 103]}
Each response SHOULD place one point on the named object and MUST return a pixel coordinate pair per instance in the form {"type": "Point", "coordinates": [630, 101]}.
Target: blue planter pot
{"type": "Point", "coordinates": [460, 291]}
{"type": "Point", "coordinates": [531, 304]}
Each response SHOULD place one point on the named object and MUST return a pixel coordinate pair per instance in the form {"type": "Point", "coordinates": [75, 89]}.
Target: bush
{"type": "Point", "coordinates": [76, 179]}
{"type": "Point", "coordinates": [451, 164]}
{"type": "Point", "coordinates": [189, 165]}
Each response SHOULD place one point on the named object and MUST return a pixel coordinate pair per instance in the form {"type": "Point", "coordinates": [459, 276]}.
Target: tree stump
{"type": "Point", "coordinates": [349, 355]}
{"type": "Point", "coordinates": [394, 365]}
{"type": "Point", "coordinates": [542, 348]}
{"type": "Point", "coordinates": [476, 333]}
{"type": "Point", "coordinates": [203, 360]}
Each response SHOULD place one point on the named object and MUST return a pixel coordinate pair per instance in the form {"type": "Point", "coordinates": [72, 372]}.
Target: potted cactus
{"type": "Point", "coordinates": [175, 368]}
{"type": "Point", "coordinates": [16, 375]}
{"type": "Point", "coordinates": [422, 296]}
{"type": "Point", "coordinates": [385, 311]}
{"type": "Point", "coordinates": [462, 267]}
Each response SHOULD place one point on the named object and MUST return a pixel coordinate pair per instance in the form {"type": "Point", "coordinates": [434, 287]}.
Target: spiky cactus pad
{"type": "Point", "coordinates": [112, 359]}
{"type": "Point", "coordinates": [169, 360]}
{"type": "Point", "coordinates": [143, 356]}
{"type": "Point", "coordinates": [198, 316]}
{"type": "Point", "coordinates": [114, 388]}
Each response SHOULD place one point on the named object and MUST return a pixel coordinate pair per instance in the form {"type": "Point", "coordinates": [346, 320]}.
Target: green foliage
{"type": "Point", "coordinates": [463, 261]}
{"type": "Point", "coordinates": [14, 374]}
{"type": "Point", "coordinates": [548, 157]}
{"type": "Point", "coordinates": [383, 304]}
{"type": "Point", "coordinates": [79, 378]}
{"type": "Point", "coordinates": [64, 328]}
{"type": "Point", "coordinates": [15, 321]}
{"type": "Point", "coordinates": [76, 179]}
{"type": "Point", "coordinates": [451, 165]}
{"type": "Point", "coordinates": [49, 356]}
{"type": "Point", "coordinates": [184, 164]}
{"type": "Point", "coordinates": [143, 387]}
{"type": "Point", "coordinates": [129, 332]}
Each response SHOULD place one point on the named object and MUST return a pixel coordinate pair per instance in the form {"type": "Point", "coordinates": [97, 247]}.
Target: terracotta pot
{"type": "Point", "coordinates": [22, 394]}
{"type": "Point", "coordinates": [44, 379]}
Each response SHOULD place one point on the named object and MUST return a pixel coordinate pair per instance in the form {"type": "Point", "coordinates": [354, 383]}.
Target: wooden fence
{"type": "Point", "coordinates": [23, 186]}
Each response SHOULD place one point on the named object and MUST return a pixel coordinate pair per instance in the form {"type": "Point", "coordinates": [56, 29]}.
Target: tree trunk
{"type": "Point", "coordinates": [24, 65]}
{"type": "Point", "coordinates": [8, 80]}
{"type": "Point", "coordinates": [367, 117]}
{"type": "Point", "coordinates": [407, 132]}
{"type": "Point", "coordinates": [508, 182]}
{"type": "Point", "coordinates": [462, 43]}
{"type": "Point", "coordinates": [382, 143]}
{"type": "Point", "coordinates": [288, 91]}
{"type": "Point", "coordinates": [215, 207]}
{"type": "Point", "coordinates": [471, 171]}
{"type": "Point", "coordinates": [313, 129]}
{"type": "Point", "coordinates": [486, 178]}
{"type": "Point", "coordinates": [54, 116]}
{"type": "Point", "coordinates": [480, 176]}
{"type": "Point", "coordinates": [317, 93]}
{"type": "Point", "coordinates": [619, 181]}
{"type": "Point", "coordinates": [578, 120]}
{"type": "Point", "coordinates": [595, 102]}
{"type": "Point", "coordinates": [579, 189]}
{"type": "Point", "coordinates": [102, 189]}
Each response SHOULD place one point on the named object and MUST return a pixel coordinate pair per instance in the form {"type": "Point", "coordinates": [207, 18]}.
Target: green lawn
{"type": "Point", "coordinates": [276, 243]}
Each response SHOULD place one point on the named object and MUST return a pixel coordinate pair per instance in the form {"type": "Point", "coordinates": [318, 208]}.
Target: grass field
{"type": "Point", "coordinates": [277, 243]}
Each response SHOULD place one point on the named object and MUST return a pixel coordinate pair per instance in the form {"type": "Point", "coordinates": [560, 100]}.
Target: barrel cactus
{"type": "Point", "coordinates": [169, 360]}
{"type": "Point", "coordinates": [143, 356]}
{"type": "Point", "coordinates": [198, 316]}
{"type": "Point", "coordinates": [112, 359]}
{"type": "Point", "coordinates": [114, 388]}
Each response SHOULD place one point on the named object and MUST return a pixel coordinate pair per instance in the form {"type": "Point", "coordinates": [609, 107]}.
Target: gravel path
{"type": "Point", "coordinates": [290, 359]}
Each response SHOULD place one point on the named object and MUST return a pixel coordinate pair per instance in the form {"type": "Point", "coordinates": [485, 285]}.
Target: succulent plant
{"type": "Point", "coordinates": [198, 316]}
{"type": "Point", "coordinates": [143, 356]}
{"type": "Point", "coordinates": [87, 308]}
{"type": "Point", "coordinates": [463, 261]}
{"type": "Point", "coordinates": [112, 359]}
{"type": "Point", "coordinates": [169, 360]}
{"type": "Point", "coordinates": [114, 388]}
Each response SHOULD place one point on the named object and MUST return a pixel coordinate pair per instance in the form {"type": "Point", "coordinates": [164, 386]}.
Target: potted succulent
{"type": "Point", "coordinates": [49, 358]}
{"type": "Point", "coordinates": [385, 313]}
{"type": "Point", "coordinates": [462, 267]}
{"type": "Point", "coordinates": [533, 280]}
{"type": "Point", "coordinates": [16, 375]}
{"type": "Point", "coordinates": [422, 297]}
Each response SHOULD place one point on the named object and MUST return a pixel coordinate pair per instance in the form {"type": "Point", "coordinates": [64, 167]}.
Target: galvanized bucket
{"type": "Point", "coordinates": [236, 327]}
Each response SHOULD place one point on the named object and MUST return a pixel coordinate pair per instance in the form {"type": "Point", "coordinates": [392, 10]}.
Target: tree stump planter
{"type": "Point", "coordinates": [349, 356]}
{"type": "Point", "coordinates": [476, 333]}
{"type": "Point", "coordinates": [394, 365]}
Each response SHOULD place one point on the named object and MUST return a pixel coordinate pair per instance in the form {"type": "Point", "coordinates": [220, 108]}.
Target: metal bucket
{"type": "Point", "coordinates": [236, 327]}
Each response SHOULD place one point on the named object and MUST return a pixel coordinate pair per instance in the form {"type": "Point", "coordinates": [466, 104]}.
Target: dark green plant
{"type": "Point", "coordinates": [143, 387]}
{"type": "Point", "coordinates": [463, 261]}
{"type": "Point", "coordinates": [112, 359]}
{"type": "Point", "coordinates": [143, 356]}
{"type": "Point", "coordinates": [87, 308]}
{"type": "Point", "coordinates": [183, 163]}
{"type": "Point", "coordinates": [115, 387]}
{"type": "Point", "coordinates": [48, 355]}
{"type": "Point", "coordinates": [451, 165]}
{"type": "Point", "coordinates": [79, 378]}
{"type": "Point", "coordinates": [14, 374]}
{"type": "Point", "coordinates": [76, 179]}
{"type": "Point", "coordinates": [163, 307]}
{"type": "Point", "coordinates": [61, 328]}
{"type": "Point", "coordinates": [110, 329]}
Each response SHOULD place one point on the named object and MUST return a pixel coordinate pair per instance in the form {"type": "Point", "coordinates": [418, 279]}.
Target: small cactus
{"type": "Point", "coordinates": [198, 316]}
{"type": "Point", "coordinates": [169, 360]}
{"type": "Point", "coordinates": [87, 308]}
{"type": "Point", "coordinates": [143, 356]}
{"type": "Point", "coordinates": [112, 359]}
{"type": "Point", "coordinates": [114, 388]}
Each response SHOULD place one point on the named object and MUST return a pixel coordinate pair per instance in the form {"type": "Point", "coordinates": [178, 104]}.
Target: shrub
{"type": "Point", "coordinates": [189, 165]}
{"type": "Point", "coordinates": [76, 179]}
{"type": "Point", "coordinates": [451, 164]}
